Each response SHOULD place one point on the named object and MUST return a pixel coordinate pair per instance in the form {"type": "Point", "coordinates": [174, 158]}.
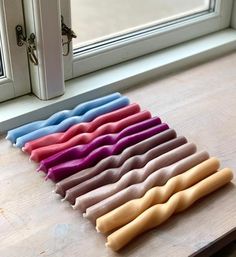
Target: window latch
{"type": "Point", "coordinates": [28, 42]}
{"type": "Point", "coordinates": [69, 33]}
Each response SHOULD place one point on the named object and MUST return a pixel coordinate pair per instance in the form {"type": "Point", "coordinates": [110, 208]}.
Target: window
{"type": "Point", "coordinates": [108, 33]}
{"type": "Point", "coordinates": [99, 21]}
{"type": "Point", "coordinates": [112, 36]}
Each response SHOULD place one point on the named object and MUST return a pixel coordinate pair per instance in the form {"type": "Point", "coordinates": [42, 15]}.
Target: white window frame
{"type": "Point", "coordinates": [151, 41]}
{"type": "Point", "coordinates": [16, 81]}
{"type": "Point", "coordinates": [43, 19]}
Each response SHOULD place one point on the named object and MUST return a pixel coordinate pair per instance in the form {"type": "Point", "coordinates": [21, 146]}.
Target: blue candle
{"type": "Point", "coordinates": [67, 123]}
{"type": "Point", "coordinates": [58, 117]}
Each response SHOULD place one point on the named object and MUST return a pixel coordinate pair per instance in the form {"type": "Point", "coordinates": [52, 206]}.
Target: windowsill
{"type": "Point", "coordinates": [28, 108]}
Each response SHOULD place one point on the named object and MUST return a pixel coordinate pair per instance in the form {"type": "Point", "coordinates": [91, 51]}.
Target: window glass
{"type": "Point", "coordinates": [95, 21]}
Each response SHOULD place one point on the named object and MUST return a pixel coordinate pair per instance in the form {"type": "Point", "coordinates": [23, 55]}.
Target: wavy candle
{"type": "Point", "coordinates": [156, 195]}
{"type": "Point", "coordinates": [88, 127]}
{"type": "Point", "coordinates": [126, 126]}
{"type": "Point", "coordinates": [114, 161]}
{"type": "Point", "coordinates": [73, 153]}
{"type": "Point", "coordinates": [159, 213]}
{"type": "Point", "coordinates": [67, 169]}
{"type": "Point", "coordinates": [135, 176]}
{"type": "Point", "coordinates": [58, 117]}
{"type": "Point", "coordinates": [112, 175]}
{"type": "Point", "coordinates": [68, 122]}
{"type": "Point", "coordinates": [158, 178]}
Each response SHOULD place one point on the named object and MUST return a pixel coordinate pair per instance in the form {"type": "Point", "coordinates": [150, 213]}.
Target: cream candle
{"type": "Point", "coordinates": [159, 213]}
{"type": "Point", "coordinates": [157, 178]}
{"type": "Point", "coordinates": [131, 209]}
{"type": "Point", "coordinates": [112, 175]}
{"type": "Point", "coordinates": [114, 161]}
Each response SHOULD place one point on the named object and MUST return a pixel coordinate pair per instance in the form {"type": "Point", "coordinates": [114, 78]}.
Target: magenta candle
{"type": "Point", "coordinates": [76, 153]}
{"type": "Point", "coordinates": [84, 138]}
{"type": "Point", "coordinates": [115, 161]}
{"type": "Point", "coordinates": [66, 169]}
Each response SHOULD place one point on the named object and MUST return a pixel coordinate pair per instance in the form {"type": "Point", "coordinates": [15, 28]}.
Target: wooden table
{"type": "Point", "coordinates": [200, 103]}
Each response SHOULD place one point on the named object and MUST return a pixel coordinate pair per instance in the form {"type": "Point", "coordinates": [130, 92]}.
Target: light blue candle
{"type": "Point", "coordinates": [67, 123]}
{"type": "Point", "coordinates": [58, 117]}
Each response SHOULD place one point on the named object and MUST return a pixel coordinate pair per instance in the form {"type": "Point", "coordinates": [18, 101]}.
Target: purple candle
{"type": "Point", "coordinates": [69, 168]}
{"type": "Point", "coordinates": [115, 161]}
{"type": "Point", "coordinates": [81, 151]}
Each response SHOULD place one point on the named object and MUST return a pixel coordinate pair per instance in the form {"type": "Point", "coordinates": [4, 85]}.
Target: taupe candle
{"type": "Point", "coordinates": [112, 175]}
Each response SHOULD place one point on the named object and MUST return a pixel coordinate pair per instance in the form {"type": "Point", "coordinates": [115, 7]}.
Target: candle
{"type": "Point", "coordinates": [56, 118]}
{"type": "Point", "coordinates": [127, 126]}
{"type": "Point", "coordinates": [70, 121]}
{"type": "Point", "coordinates": [66, 169]}
{"type": "Point", "coordinates": [77, 129]}
{"type": "Point", "coordinates": [112, 175]}
{"type": "Point", "coordinates": [131, 209]}
{"type": "Point", "coordinates": [115, 160]}
{"type": "Point", "coordinates": [141, 183]}
{"type": "Point", "coordinates": [159, 213]}
{"type": "Point", "coordinates": [75, 152]}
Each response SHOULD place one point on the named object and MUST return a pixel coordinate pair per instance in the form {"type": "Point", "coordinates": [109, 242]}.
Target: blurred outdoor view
{"type": "Point", "coordinates": [94, 20]}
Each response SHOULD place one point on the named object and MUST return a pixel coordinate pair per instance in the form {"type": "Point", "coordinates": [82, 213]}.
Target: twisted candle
{"type": "Point", "coordinates": [114, 161]}
{"type": "Point", "coordinates": [112, 175]}
{"type": "Point", "coordinates": [88, 127]}
{"type": "Point", "coordinates": [157, 178]}
{"type": "Point", "coordinates": [126, 127]}
{"type": "Point", "coordinates": [72, 120]}
{"type": "Point", "coordinates": [74, 153]}
{"type": "Point", "coordinates": [131, 209]}
{"type": "Point", "coordinates": [159, 213]}
{"type": "Point", "coordinates": [58, 117]}
{"type": "Point", "coordinates": [64, 170]}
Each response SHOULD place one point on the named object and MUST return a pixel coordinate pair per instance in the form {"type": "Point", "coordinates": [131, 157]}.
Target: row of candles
{"type": "Point", "coordinates": [125, 170]}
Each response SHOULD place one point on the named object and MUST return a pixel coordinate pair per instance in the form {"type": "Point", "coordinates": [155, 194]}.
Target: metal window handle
{"type": "Point", "coordinates": [69, 33]}
{"type": "Point", "coordinates": [28, 42]}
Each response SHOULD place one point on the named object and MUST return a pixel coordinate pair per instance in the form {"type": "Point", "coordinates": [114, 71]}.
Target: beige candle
{"type": "Point", "coordinates": [112, 175]}
{"type": "Point", "coordinates": [159, 213]}
{"type": "Point", "coordinates": [157, 178]}
{"type": "Point", "coordinates": [114, 161]}
{"type": "Point", "coordinates": [130, 210]}
{"type": "Point", "coordinates": [138, 175]}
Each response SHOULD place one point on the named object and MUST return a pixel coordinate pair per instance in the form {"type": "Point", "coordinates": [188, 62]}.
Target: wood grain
{"type": "Point", "coordinates": [200, 103]}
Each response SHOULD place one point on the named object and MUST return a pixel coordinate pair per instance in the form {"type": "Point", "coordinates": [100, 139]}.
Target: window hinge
{"type": "Point", "coordinates": [69, 33]}
{"type": "Point", "coordinates": [28, 42]}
